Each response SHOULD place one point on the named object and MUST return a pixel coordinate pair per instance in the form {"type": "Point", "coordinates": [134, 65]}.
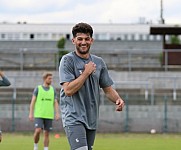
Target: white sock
{"type": "Point", "coordinates": [45, 148]}
{"type": "Point", "coordinates": [36, 145]}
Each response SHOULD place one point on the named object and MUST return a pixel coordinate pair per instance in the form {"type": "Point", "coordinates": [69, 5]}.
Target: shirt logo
{"type": "Point", "coordinates": [77, 140]}
{"type": "Point", "coordinates": [80, 71]}
{"type": "Point", "coordinates": [46, 99]}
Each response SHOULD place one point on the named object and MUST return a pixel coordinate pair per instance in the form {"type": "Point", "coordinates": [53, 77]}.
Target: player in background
{"type": "Point", "coordinates": [43, 106]}
{"type": "Point", "coordinates": [3, 82]}
{"type": "Point", "coordinates": [81, 76]}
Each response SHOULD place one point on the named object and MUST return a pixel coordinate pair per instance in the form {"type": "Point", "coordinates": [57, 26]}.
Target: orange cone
{"type": "Point", "coordinates": [57, 136]}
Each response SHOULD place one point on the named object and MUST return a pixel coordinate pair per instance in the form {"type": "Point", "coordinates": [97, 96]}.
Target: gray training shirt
{"type": "Point", "coordinates": [83, 106]}
{"type": "Point", "coordinates": [4, 81]}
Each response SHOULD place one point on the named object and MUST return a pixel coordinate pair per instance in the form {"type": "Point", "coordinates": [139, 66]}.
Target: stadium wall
{"type": "Point", "coordinates": [132, 119]}
{"type": "Point", "coordinates": [159, 79]}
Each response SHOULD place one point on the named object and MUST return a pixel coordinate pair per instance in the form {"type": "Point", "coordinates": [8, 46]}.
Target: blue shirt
{"type": "Point", "coordinates": [83, 106]}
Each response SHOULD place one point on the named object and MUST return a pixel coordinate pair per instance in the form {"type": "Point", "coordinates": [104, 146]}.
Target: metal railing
{"type": "Point", "coordinates": [29, 59]}
{"type": "Point", "coordinates": [129, 59]}
{"type": "Point", "coordinates": [26, 59]}
{"type": "Point", "coordinates": [147, 88]}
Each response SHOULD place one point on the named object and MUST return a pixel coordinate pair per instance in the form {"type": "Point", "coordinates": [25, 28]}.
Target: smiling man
{"type": "Point", "coordinates": [81, 76]}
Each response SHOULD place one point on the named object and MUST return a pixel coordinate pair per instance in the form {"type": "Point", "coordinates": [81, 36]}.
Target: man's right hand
{"type": "Point", "coordinates": [31, 118]}
{"type": "Point", "coordinates": [90, 68]}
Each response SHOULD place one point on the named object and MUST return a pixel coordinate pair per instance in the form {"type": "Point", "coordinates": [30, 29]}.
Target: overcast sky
{"type": "Point", "coordinates": [90, 11]}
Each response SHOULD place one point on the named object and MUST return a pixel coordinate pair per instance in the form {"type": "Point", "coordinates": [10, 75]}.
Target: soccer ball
{"type": "Point", "coordinates": [152, 131]}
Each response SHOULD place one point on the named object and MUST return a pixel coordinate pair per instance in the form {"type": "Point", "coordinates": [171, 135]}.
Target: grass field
{"type": "Point", "coordinates": [122, 141]}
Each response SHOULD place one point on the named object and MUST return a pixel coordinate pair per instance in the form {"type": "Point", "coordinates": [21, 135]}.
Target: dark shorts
{"type": "Point", "coordinates": [45, 124]}
{"type": "Point", "coordinates": [79, 137]}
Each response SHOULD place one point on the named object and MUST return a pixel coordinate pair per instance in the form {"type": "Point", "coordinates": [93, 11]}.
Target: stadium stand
{"type": "Point", "coordinates": [134, 66]}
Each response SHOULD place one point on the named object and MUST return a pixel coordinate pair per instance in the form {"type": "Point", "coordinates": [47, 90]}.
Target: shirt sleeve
{"type": "Point", "coordinates": [105, 79]}
{"type": "Point", "coordinates": [4, 81]}
{"type": "Point", "coordinates": [66, 69]}
{"type": "Point", "coordinates": [35, 92]}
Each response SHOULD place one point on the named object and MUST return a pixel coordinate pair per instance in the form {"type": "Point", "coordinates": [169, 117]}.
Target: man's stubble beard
{"type": "Point", "coordinates": [82, 52]}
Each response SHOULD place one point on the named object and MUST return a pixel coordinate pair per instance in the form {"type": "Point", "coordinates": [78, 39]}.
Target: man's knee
{"type": "Point", "coordinates": [38, 130]}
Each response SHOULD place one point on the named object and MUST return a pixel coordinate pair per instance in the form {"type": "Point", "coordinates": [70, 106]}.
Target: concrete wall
{"type": "Point", "coordinates": [140, 119]}
{"type": "Point", "coordinates": [137, 118]}
{"type": "Point", "coordinates": [131, 119]}
{"type": "Point", "coordinates": [123, 79]}
{"type": "Point", "coordinates": [97, 46]}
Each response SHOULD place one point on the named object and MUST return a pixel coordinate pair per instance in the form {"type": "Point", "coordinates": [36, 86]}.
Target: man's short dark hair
{"type": "Point", "coordinates": [46, 75]}
{"type": "Point", "coordinates": [82, 28]}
